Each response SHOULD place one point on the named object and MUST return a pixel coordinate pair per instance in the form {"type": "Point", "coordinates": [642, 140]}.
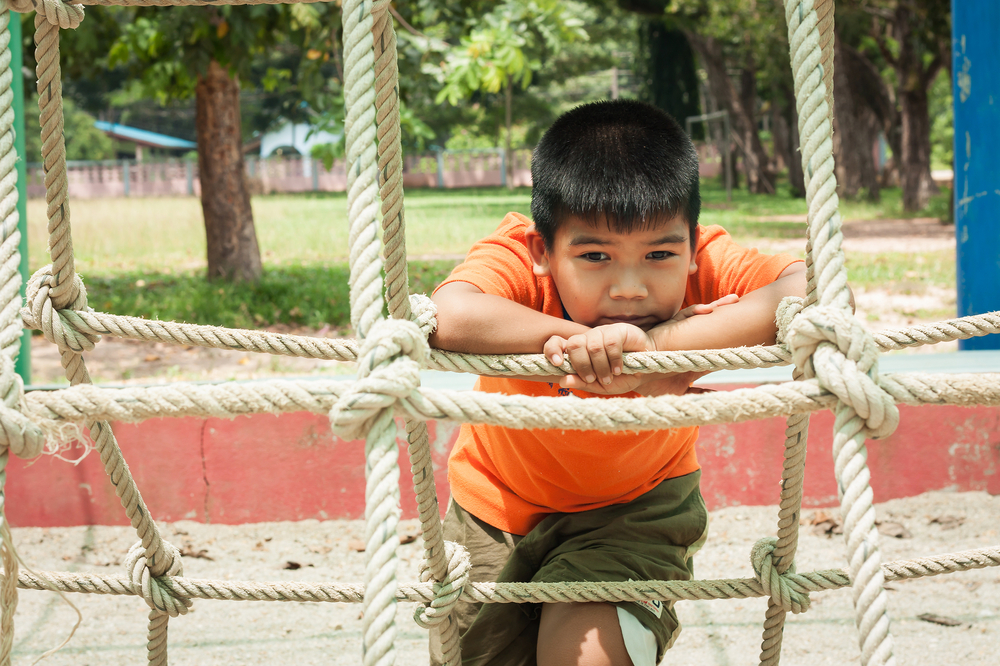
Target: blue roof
{"type": "Point", "coordinates": [142, 136]}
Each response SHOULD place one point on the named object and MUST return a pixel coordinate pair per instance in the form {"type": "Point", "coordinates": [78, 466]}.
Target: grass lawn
{"type": "Point", "coordinates": [145, 257]}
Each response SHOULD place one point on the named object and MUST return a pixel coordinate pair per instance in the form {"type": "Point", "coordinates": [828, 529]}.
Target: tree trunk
{"type": "Point", "coordinates": [741, 113]}
{"type": "Point", "coordinates": [225, 198]}
{"type": "Point", "coordinates": [870, 91]}
{"type": "Point", "coordinates": [914, 80]}
{"type": "Point", "coordinates": [786, 139]}
{"type": "Point", "coordinates": [915, 162]}
{"type": "Point", "coordinates": [509, 156]}
{"type": "Point", "coordinates": [755, 159]}
{"type": "Point", "coordinates": [855, 131]}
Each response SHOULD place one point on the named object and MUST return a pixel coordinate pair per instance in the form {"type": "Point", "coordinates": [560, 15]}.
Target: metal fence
{"type": "Point", "coordinates": [179, 177]}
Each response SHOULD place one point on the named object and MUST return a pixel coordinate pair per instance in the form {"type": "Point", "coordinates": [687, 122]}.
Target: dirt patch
{"type": "Point", "coordinates": [922, 234]}
{"type": "Point", "coordinates": [118, 361]}
{"type": "Point", "coordinates": [716, 633]}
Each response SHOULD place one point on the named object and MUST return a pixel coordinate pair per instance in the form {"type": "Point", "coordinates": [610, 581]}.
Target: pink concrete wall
{"type": "Point", "coordinates": [291, 467]}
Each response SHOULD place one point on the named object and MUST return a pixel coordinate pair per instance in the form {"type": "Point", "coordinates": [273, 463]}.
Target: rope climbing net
{"type": "Point", "coordinates": [835, 359]}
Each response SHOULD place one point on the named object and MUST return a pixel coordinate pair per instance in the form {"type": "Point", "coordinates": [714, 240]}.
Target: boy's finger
{"type": "Point", "coordinates": [577, 348]}
{"type": "Point", "coordinates": [728, 299]}
{"type": "Point", "coordinates": [554, 349]}
{"type": "Point", "coordinates": [613, 349]}
{"type": "Point", "coordinates": [600, 356]}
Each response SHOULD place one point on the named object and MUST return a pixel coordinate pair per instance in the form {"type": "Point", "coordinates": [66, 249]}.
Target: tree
{"type": "Point", "coordinates": [908, 42]}
{"type": "Point", "coordinates": [916, 40]}
{"type": "Point", "coordinates": [669, 78]}
{"type": "Point", "coordinates": [858, 91]}
{"type": "Point", "coordinates": [728, 36]}
{"type": "Point", "coordinates": [505, 48]}
{"type": "Point", "coordinates": [205, 51]}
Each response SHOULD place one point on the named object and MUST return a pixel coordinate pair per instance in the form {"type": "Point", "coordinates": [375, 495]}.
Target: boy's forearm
{"type": "Point", "coordinates": [744, 324]}
{"type": "Point", "coordinates": [472, 322]}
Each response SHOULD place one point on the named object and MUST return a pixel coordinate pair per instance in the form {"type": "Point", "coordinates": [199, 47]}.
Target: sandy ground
{"type": "Point", "coordinates": [717, 633]}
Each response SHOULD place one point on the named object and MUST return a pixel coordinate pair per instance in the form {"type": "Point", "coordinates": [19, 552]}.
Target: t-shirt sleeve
{"type": "Point", "coordinates": [500, 265]}
{"type": "Point", "coordinates": [727, 268]}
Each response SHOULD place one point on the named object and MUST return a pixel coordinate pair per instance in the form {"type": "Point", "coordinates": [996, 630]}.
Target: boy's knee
{"type": "Point", "coordinates": [581, 634]}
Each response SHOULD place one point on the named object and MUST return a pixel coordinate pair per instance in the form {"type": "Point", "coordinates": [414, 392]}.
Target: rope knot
{"type": "Point", "coordinates": [448, 591]}
{"type": "Point", "coordinates": [51, 308]}
{"type": "Point", "coordinates": [776, 585]}
{"type": "Point", "coordinates": [832, 346]}
{"type": "Point", "coordinates": [388, 372]}
{"type": "Point", "coordinates": [63, 14]}
{"type": "Point", "coordinates": [24, 438]}
{"type": "Point", "coordinates": [788, 309]}
{"type": "Point", "coordinates": [423, 313]}
{"type": "Point", "coordinates": [150, 588]}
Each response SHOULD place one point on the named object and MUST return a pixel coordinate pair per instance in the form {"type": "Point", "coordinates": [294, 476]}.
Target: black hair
{"type": "Point", "coordinates": [624, 161]}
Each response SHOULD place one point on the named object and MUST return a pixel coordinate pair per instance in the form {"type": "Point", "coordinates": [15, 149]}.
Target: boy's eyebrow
{"type": "Point", "coordinates": [588, 240]}
{"type": "Point", "coordinates": [669, 239]}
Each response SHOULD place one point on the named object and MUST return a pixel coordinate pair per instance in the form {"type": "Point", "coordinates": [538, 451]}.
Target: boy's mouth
{"type": "Point", "coordinates": [635, 320]}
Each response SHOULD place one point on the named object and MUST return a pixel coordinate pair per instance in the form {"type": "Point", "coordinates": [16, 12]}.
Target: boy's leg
{"type": "Point", "coordinates": [489, 548]}
{"type": "Point", "coordinates": [593, 634]}
{"type": "Point", "coordinates": [582, 634]}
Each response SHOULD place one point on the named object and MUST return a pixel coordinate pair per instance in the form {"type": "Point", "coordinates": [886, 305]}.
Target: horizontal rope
{"type": "Point", "coordinates": [734, 588]}
{"type": "Point", "coordinates": [52, 409]}
{"type": "Point", "coordinates": [136, 328]}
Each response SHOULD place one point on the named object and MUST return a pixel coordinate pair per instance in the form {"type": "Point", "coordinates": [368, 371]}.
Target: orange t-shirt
{"type": "Point", "coordinates": [513, 478]}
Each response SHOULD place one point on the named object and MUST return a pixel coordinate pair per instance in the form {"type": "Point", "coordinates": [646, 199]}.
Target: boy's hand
{"type": "Point", "coordinates": [597, 357]}
{"type": "Point", "coordinates": [704, 308]}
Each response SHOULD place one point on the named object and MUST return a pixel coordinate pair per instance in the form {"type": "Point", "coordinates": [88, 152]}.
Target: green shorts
{"type": "Point", "coordinates": [653, 537]}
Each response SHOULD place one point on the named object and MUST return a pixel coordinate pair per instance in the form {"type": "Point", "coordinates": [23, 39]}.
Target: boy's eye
{"type": "Point", "coordinates": [659, 254]}
{"type": "Point", "coordinates": [594, 256]}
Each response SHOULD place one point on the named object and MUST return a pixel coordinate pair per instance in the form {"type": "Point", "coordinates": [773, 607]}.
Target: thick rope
{"type": "Point", "coordinates": [789, 509]}
{"type": "Point", "coordinates": [847, 361]}
{"type": "Point", "coordinates": [359, 128]}
{"type": "Point", "coordinates": [439, 565]}
{"type": "Point", "coordinates": [18, 433]}
{"type": "Point", "coordinates": [57, 287]}
{"type": "Point", "coordinates": [63, 286]}
{"type": "Point", "coordinates": [52, 410]}
{"type": "Point", "coordinates": [89, 323]}
{"type": "Point", "coordinates": [77, 325]}
{"type": "Point", "coordinates": [390, 160]}
{"type": "Point", "coordinates": [693, 590]}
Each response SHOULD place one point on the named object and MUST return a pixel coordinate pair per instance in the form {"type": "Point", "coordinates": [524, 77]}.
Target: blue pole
{"type": "Point", "coordinates": [23, 363]}
{"type": "Point", "coordinates": [976, 88]}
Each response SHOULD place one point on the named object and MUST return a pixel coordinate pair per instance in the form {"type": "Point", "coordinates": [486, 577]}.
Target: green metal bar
{"type": "Point", "coordinates": [23, 362]}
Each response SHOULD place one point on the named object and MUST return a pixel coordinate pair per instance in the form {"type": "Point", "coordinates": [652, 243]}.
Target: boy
{"type": "Point", "coordinates": [614, 262]}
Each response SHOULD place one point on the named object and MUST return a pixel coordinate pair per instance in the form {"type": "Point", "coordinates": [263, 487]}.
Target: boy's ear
{"type": "Point", "coordinates": [694, 250]}
{"type": "Point", "coordinates": [539, 255]}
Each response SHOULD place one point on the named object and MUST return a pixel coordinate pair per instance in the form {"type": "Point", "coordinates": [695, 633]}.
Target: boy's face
{"type": "Point", "coordinates": [607, 277]}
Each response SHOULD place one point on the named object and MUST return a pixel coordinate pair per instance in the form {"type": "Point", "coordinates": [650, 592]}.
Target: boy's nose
{"type": "Point", "coordinates": [628, 289]}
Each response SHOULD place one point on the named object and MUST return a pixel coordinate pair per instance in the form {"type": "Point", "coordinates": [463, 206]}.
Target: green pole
{"type": "Point", "coordinates": [23, 363]}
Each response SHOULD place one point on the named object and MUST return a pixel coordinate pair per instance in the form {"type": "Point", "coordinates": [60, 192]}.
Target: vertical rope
{"type": "Point", "coordinates": [813, 96]}
{"type": "Point", "coordinates": [792, 475]}
{"type": "Point", "coordinates": [390, 159]}
{"type": "Point", "coordinates": [359, 128]}
{"type": "Point", "coordinates": [382, 468]}
{"type": "Point", "coordinates": [65, 291]}
{"type": "Point", "coordinates": [390, 173]}
{"type": "Point", "coordinates": [10, 325]}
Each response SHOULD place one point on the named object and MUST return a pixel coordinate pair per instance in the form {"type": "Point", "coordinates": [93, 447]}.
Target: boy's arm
{"type": "Point", "coordinates": [746, 323]}
{"type": "Point", "coordinates": [474, 322]}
